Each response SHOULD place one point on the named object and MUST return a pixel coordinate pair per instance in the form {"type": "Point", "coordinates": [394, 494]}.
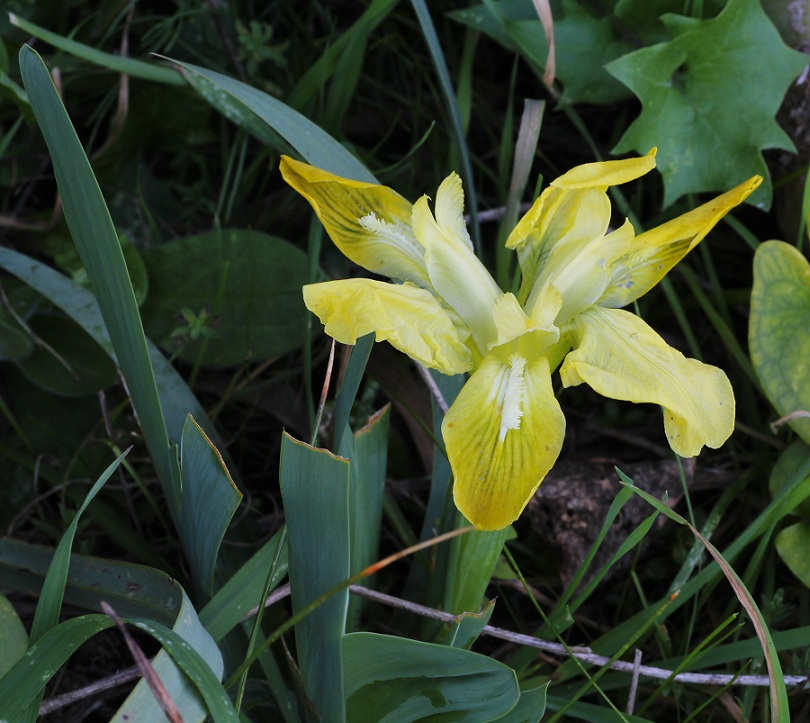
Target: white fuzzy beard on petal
{"type": "Point", "coordinates": [397, 234]}
{"type": "Point", "coordinates": [513, 395]}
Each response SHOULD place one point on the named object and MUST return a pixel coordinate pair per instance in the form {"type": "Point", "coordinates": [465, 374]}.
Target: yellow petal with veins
{"type": "Point", "coordinates": [408, 317]}
{"type": "Point", "coordinates": [598, 176]}
{"type": "Point", "coordinates": [369, 223]}
{"type": "Point", "coordinates": [503, 434]}
{"type": "Point", "coordinates": [658, 250]}
{"type": "Point", "coordinates": [621, 357]}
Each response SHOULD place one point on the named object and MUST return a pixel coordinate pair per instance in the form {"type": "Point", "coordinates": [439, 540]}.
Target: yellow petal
{"type": "Point", "coordinates": [450, 209]}
{"type": "Point", "coordinates": [455, 272]}
{"type": "Point", "coordinates": [369, 223]}
{"type": "Point", "coordinates": [503, 434]}
{"type": "Point", "coordinates": [597, 176]}
{"type": "Point", "coordinates": [607, 173]}
{"type": "Point", "coordinates": [658, 250]}
{"type": "Point", "coordinates": [408, 317]}
{"type": "Point", "coordinates": [523, 334]}
{"type": "Point", "coordinates": [620, 357]}
{"type": "Point", "coordinates": [572, 212]}
{"type": "Point", "coordinates": [550, 236]}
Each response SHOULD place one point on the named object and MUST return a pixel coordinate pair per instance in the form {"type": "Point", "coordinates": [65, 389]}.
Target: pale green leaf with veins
{"type": "Point", "coordinates": [505, 429]}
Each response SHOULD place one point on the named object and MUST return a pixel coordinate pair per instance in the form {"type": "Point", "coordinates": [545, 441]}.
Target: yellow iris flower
{"type": "Point", "coordinates": [505, 429]}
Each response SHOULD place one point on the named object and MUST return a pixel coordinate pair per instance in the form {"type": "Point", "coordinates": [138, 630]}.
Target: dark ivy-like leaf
{"type": "Point", "coordinates": [709, 97]}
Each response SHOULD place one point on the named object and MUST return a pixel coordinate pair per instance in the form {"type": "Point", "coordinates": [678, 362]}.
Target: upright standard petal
{"type": "Point", "coordinates": [370, 224]}
{"type": "Point", "coordinates": [408, 317]}
{"type": "Point", "coordinates": [571, 212]}
{"type": "Point", "coordinates": [456, 273]}
{"type": "Point", "coordinates": [620, 357]}
{"type": "Point", "coordinates": [503, 434]}
{"type": "Point", "coordinates": [655, 252]}
{"type": "Point", "coordinates": [525, 335]}
{"type": "Point", "coordinates": [603, 174]}
{"type": "Point", "coordinates": [568, 221]}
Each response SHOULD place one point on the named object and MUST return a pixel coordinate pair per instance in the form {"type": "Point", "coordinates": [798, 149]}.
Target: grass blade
{"type": "Point", "coordinates": [312, 82]}
{"type": "Point", "coordinates": [779, 701]}
{"type": "Point", "coordinates": [133, 590]}
{"type": "Point", "coordinates": [13, 638]}
{"type": "Point", "coordinates": [432, 40]}
{"type": "Point", "coordinates": [315, 145]}
{"type": "Point", "coordinates": [26, 680]}
{"type": "Point", "coordinates": [242, 592]}
{"type": "Point", "coordinates": [115, 63]}
{"type": "Point", "coordinates": [53, 588]}
{"type": "Point", "coordinates": [97, 242]}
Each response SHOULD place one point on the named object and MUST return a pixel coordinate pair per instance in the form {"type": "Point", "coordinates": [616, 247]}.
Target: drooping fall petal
{"type": "Point", "coordinates": [621, 357]}
{"type": "Point", "coordinates": [408, 317]}
{"type": "Point", "coordinates": [503, 434]}
{"type": "Point", "coordinates": [656, 251]}
{"type": "Point", "coordinates": [369, 223]}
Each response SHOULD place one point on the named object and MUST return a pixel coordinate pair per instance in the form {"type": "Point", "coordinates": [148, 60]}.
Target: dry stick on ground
{"type": "Point", "coordinates": [581, 653]}
{"type": "Point", "coordinates": [162, 696]}
{"type": "Point", "coordinates": [88, 691]}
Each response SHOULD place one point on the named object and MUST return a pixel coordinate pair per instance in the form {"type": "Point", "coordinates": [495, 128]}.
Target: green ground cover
{"type": "Point", "coordinates": [200, 489]}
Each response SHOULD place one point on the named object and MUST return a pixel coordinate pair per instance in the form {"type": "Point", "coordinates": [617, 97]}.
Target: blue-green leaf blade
{"type": "Point", "coordinates": [141, 704]}
{"type": "Point", "coordinates": [234, 600]}
{"type": "Point", "coordinates": [100, 250]}
{"type": "Point", "coordinates": [208, 501]}
{"type": "Point", "coordinates": [315, 488]}
{"type": "Point", "coordinates": [196, 668]}
{"type": "Point", "coordinates": [391, 679]}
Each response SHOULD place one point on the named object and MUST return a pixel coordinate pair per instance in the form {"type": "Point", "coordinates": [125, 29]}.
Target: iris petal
{"type": "Point", "coordinates": [512, 322]}
{"type": "Point", "coordinates": [450, 209]}
{"type": "Point", "coordinates": [620, 357]}
{"type": "Point", "coordinates": [455, 271]}
{"type": "Point", "coordinates": [408, 317]}
{"type": "Point", "coordinates": [552, 232]}
{"type": "Point", "coordinates": [570, 214]}
{"type": "Point", "coordinates": [658, 250]}
{"type": "Point", "coordinates": [369, 223]}
{"type": "Point", "coordinates": [607, 173]}
{"type": "Point", "coordinates": [503, 434]}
